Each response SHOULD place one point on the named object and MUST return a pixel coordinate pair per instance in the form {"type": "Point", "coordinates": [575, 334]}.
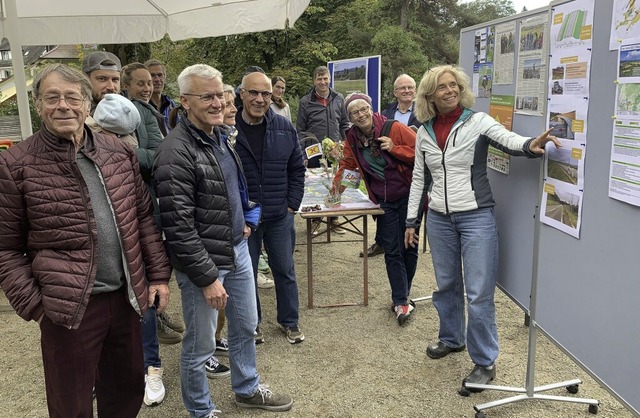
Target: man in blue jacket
{"type": "Point", "coordinates": [404, 90]}
{"type": "Point", "coordinates": [268, 147]}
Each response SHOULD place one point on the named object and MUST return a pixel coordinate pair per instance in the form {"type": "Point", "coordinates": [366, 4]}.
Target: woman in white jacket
{"type": "Point", "coordinates": [450, 166]}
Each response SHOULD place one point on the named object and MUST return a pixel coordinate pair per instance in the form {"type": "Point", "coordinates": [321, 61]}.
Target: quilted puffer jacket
{"type": "Point", "coordinates": [279, 184]}
{"type": "Point", "coordinates": [48, 235]}
{"type": "Point", "coordinates": [194, 203]}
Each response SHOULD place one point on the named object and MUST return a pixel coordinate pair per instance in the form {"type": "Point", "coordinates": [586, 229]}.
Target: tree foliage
{"type": "Point", "coordinates": [409, 35]}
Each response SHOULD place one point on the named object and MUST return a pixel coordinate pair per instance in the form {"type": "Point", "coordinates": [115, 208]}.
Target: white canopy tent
{"type": "Point", "coordinates": [46, 22]}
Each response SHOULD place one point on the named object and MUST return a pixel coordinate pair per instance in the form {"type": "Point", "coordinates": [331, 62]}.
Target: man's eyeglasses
{"type": "Point", "coordinates": [403, 88]}
{"type": "Point", "coordinates": [254, 94]}
{"type": "Point", "coordinates": [357, 112]}
{"type": "Point", "coordinates": [73, 101]}
{"type": "Point", "coordinates": [207, 98]}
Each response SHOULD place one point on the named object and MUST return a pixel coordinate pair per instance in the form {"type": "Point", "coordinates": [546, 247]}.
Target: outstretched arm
{"type": "Point", "coordinates": [537, 145]}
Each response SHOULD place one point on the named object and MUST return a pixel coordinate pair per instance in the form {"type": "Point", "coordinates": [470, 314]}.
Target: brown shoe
{"type": "Point", "coordinates": [374, 250]}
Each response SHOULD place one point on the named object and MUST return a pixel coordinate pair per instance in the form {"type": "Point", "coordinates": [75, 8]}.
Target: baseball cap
{"type": "Point", "coordinates": [101, 60]}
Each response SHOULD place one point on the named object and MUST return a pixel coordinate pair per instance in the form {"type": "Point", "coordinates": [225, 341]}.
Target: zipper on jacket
{"type": "Point", "coordinates": [444, 168]}
{"type": "Point", "coordinates": [209, 150]}
{"type": "Point", "coordinates": [86, 211]}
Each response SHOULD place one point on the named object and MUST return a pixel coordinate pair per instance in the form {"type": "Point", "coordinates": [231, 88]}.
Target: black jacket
{"type": "Point", "coordinates": [194, 204]}
{"type": "Point", "coordinates": [279, 184]}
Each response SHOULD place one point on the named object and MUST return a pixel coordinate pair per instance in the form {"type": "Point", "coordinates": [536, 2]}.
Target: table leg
{"type": "Point", "coordinates": [309, 263]}
{"type": "Point", "coordinates": [365, 259]}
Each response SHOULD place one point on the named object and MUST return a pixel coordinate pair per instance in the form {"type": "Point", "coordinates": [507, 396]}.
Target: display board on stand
{"type": "Point", "coordinates": [587, 284]}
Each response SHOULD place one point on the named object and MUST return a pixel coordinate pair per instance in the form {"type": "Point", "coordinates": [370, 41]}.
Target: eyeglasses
{"type": "Point", "coordinates": [73, 101]}
{"type": "Point", "coordinates": [403, 88]}
{"type": "Point", "coordinates": [207, 98]}
{"type": "Point", "coordinates": [357, 112]}
{"type": "Point", "coordinates": [254, 94]}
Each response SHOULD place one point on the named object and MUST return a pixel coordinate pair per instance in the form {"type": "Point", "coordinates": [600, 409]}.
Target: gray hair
{"type": "Point", "coordinates": [395, 83]}
{"type": "Point", "coordinates": [228, 88]}
{"type": "Point", "coordinates": [198, 70]}
{"type": "Point", "coordinates": [425, 109]}
{"type": "Point", "coordinates": [68, 74]}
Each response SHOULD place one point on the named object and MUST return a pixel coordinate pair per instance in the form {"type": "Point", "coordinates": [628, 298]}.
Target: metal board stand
{"type": "Point", "coordinates": [531, 392]}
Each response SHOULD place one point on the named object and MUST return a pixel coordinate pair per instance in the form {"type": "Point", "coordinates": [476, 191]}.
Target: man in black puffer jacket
{"type": "Point", "coordinates": [206, 217]}
{"type": "Point", "coordinates": [268, 146]}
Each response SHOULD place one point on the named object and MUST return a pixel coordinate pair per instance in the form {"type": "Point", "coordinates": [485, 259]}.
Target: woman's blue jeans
{"type": "Point", "coordinates": [198, 342]}
{"type": "Point", "coordinates": [466, 241]}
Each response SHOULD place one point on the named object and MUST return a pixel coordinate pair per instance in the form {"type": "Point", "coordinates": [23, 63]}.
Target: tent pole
{"type": "Point", "coordinates": [11, 26]}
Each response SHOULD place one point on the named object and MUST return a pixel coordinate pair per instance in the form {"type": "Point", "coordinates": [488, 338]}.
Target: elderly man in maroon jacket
{"type": "Point", "coordinates": [80, 252]}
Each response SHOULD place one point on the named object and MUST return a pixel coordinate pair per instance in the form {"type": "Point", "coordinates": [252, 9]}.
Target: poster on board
{"type": "Point", "coordinates": [571, 41]}
{"type": "Point", "coordinates": [532, 65]}
{"type": "Point", "coordinates": [357, 74]}
{"type": "Point", "coordinates": [504, 55]}
{"type": "Point", "coordinates": [624, 22]}
{"type": "Point", "coordinates": [624, 167]}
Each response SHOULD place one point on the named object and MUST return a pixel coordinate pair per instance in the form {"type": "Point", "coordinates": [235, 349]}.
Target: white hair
{"type": "Point", "coordinates": [198, 70]}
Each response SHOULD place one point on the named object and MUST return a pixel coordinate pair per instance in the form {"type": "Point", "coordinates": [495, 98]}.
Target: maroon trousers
{"type": "Point", "coordinates": [104, 351]}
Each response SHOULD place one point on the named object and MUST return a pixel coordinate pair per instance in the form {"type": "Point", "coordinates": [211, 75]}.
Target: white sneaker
{"type": "Point", "coordinates": [153, 387]}
{"type": "Point", "coordinates": [264, 282]}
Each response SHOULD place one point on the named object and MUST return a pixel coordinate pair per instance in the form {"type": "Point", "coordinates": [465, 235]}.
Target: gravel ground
{"type": "Point", "coordinates": [355, 361]}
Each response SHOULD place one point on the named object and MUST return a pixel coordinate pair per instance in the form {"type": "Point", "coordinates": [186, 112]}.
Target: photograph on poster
{"type": "Point", "coordinates": [563, 207]}
{"type": "Point", "coordinates": [532, 38]}
{"type": "Point", "coordinates": [562, 123]}
{"type": "Point", "coordinates": [527, 103]}
{"type": "Point", "coordinates": [562, 166]}
{"type": "Point", "coordinates": [350, 76]}
{"type": "Point", "coordinates": [531, 69]}
{"type": "Point", "coordinates": [628, 100]}
{"type": "Point", "coordinates": [557, 73]}
{"type": "Point", "coordinates": [629, 63]}
{"type": "Point", "coordinates": [557, 87]}
{"type": "Point", "coordinates": [482, 80]}
{"type": "Point", "coordinates": [568, 117]}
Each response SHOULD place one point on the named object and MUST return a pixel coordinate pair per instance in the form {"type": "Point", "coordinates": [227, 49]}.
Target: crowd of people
{"type": "Point", "coordinates": [123, 185]}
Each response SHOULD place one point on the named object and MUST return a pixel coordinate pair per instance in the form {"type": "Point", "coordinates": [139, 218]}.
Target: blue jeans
{"type": "Point", "coordinates": [469, 240]}
{"type": "Point", "coordinates": [279, 240]}
{"type": "Point", "coordinates": [150, 346]}
{"type": "Point", "coordinates": [199, 338]}
{"type": "Point", "coordinates": [400, 262]}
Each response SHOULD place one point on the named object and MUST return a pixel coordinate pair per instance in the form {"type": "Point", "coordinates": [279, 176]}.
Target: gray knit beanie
{"type": "Point", "coordinates": [117, 114]}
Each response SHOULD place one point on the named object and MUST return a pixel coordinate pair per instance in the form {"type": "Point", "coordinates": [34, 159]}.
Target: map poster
{"type": "Point", "coordinates": [625, 22]}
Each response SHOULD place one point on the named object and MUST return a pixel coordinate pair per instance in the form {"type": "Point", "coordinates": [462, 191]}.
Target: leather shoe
{"type": "Point", "coordinates": [479, 375]}
{"type": "Point", "coordinates": [374, 250]}
{"type": "Point", "coordinates": [440, 350]}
